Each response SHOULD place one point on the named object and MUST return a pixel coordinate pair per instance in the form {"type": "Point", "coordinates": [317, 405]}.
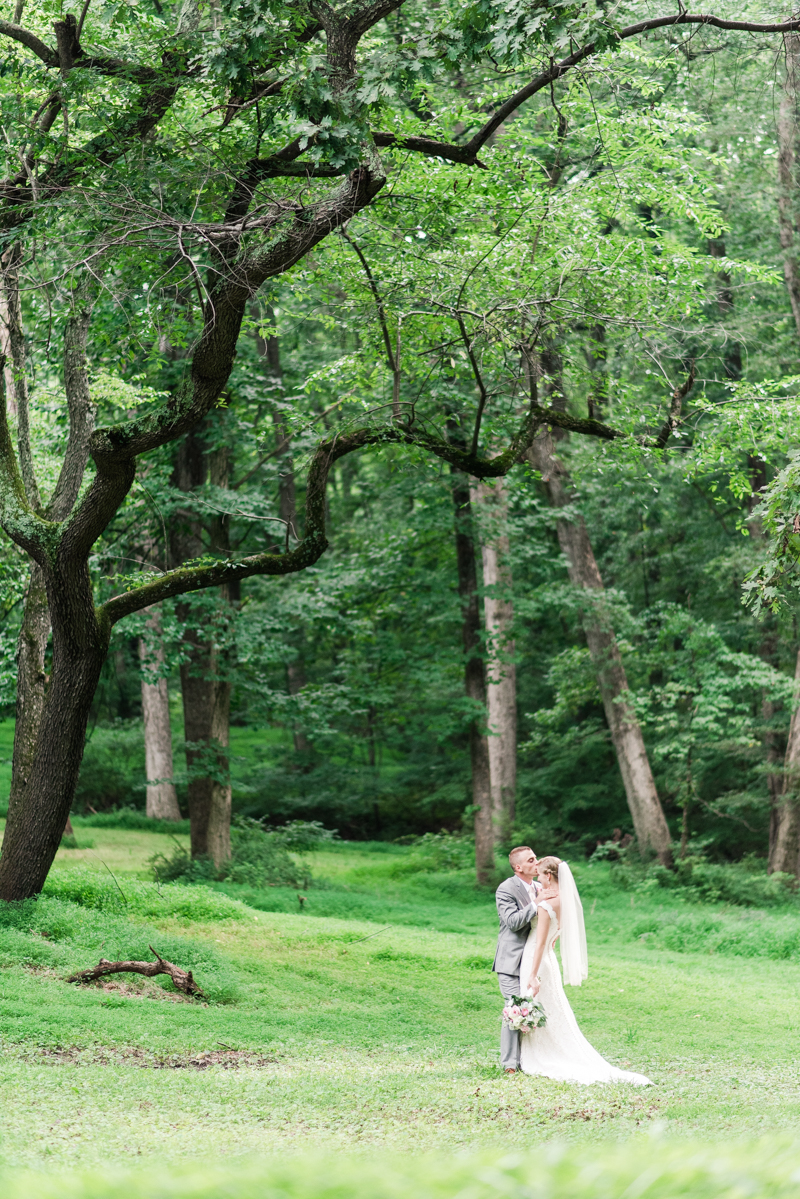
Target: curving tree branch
{"type": "Point", "coordinates": [466, 154]}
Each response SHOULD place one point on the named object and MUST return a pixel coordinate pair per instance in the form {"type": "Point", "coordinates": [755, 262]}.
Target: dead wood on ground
{"type": "Point", "coordinates": [182, 979]}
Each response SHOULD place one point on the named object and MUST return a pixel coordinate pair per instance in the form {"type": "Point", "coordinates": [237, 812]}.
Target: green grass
{"type": "Point", "coordinates": [654, 1169]}
{"type": "Point", "coordinates": [336, 1033]}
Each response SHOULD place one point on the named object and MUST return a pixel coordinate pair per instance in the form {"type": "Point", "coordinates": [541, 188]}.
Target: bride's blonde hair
{"type": "Point", "coordinates": [549, 866]}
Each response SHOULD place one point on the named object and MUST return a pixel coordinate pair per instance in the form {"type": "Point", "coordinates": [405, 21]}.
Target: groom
{"type": "Point", "coordinates": [516, 907]}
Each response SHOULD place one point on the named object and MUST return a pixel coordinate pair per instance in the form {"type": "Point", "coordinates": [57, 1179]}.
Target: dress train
{"type": "Point", "coordinates": [560, 1050]}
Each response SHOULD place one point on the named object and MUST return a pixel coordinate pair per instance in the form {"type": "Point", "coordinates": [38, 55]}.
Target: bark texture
{"type": "Point", "coordinates": [501, 673]}
{"type": "Point", "coordinates": [784, 853]}
{"type": "Point", "coordinates": [650, 825]}
{"type": "Point", "coordinates": [162, 798]}
{"type": "Point", "coordinates": [474, 680]}
{"type": "Point", "coordinates": [35, 628]}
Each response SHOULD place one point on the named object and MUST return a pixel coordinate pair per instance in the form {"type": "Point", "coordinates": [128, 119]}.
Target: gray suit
{"type": "Point", "coordinates": [516, 913]}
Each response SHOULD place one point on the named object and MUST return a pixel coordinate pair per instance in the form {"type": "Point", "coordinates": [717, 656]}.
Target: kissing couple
{"type": "Point", "coordinates": [533, 915]}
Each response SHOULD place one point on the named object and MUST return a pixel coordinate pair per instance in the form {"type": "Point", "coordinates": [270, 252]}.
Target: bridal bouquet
{"type": "Point", "coordinates": [523, 1013]}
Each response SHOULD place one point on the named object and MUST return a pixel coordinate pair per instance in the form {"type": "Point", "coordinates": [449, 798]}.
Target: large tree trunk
{"type": "Point", "coordinates": [162, 798]}
{"type": "Point", "coordinates": [784, 851]}
{"type": "Point", "coordinates": [31, 684]}
{"type": "Point", "coordinates": [501, 675]}
{"type": "Point", "coordinates": [649, 823]}
{"type": "Point", "coordinates": [205, 685]}
{"type": "Point", "coordinates": [474, 680]}
{"type": "Point", "coordinates": [35, 629]}
{"type": "Point", "coordinates": [34, 827]}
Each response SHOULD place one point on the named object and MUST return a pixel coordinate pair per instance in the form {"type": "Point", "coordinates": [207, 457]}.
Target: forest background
{"type": "Point", "coordinates": [625, 252]}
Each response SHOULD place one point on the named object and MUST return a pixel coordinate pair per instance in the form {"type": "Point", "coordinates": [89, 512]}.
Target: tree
{"type": "Point", "coordinates": [491, 506]}
{"type": "Point", "coordinates": [162, 798]}
{"type": "Point", "coordinates": [220, 221]}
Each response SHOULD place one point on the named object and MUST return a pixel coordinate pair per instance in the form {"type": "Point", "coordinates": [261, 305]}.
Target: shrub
{"type": "Point", "coordinates": [129, 818]}
{"type": "Point", "coordinates": [435, 852]}
{"type": "Point", "coordinates": [260, 856]}
{"type": "Point", "coordinates": [741, 933]}
{"type": "Point", "coordinates": [113, 769]}
{"type": "Point", "coordinates": [695, 879]}
{"type": "Point", "coordinates": [133, 897]}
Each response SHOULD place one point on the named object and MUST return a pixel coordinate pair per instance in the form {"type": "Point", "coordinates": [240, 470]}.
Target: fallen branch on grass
{"type": "Point", "coordinates": [182, 979]}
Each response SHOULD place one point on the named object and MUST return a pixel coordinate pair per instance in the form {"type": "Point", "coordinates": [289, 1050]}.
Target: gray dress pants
{"type": "Point", "coordinates": [509, 1039]}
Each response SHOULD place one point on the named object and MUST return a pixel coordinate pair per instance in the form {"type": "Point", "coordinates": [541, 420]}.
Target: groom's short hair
{"type": "Point", "coordinates": [518, 850]}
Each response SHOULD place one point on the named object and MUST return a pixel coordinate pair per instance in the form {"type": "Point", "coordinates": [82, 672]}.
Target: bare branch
{"type": "Point", "coordinates": [464, 155]}
{"type": "Point", "coordinates": [591, 428]}
{"type": "Point", "coordinates": [376, 295]}
{"type": "Point", "coordinates": [182, 979]}
{"type": "Point", "coordinates": [26, 38]}
{"type": "Point", "coordinates": [467, 153]}
{"type": "Point", "coordinates": [672, 421]}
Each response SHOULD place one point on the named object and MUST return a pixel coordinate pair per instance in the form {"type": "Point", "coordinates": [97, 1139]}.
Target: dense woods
{"type": "Point", "coordinates": [409, 395]}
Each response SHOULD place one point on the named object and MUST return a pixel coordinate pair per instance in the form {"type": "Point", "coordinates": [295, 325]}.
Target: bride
{"type": "Point", "coordinates": [560, 1050]}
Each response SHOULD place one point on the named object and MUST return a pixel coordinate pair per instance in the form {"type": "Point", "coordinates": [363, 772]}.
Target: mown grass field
{"type": "Point", "coordinates": [369, 1021]}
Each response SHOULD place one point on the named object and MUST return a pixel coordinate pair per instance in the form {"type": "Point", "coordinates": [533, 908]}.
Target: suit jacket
{"type": "Point", "coordinates": [516, 912]}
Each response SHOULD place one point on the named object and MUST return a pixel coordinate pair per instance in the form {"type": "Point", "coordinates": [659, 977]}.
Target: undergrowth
{"type": "Point", "coordinates": [697, 880]}
{"type": "Point", "coordinates": [260, 856]}
{"type": "Point", "coordinates": [128, 818]}
{"type": "Point", "coordinates": [82, 916]}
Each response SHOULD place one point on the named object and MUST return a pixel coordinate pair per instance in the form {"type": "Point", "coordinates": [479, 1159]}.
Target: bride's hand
{"type": "Point", "coordinates": [533, 986]}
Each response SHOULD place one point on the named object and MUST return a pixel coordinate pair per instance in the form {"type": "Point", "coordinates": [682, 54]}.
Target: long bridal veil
{"type": "Point", "coordinates": [574, 955]}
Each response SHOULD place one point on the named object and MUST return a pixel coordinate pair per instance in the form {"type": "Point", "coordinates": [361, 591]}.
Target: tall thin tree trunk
{"type": "Point", "coordinates": [219, 817]}
{"type": "Point", "coordinates": [205, 685]}
{"type": "Point", "coordinates": [787, 172]}
{"type": "Point", "coordinates": [784, 832]}
{"type": "Point", "coordinates": [501, 674]}
{"type": "Point", "coordinates": [784, 851]}
{"type": "Point", "coordinates": [649, 823]}
{"type": "Point", "coordinates": [162, 798]}
{"type": "Point", "coordinates": [269, 348]}
{"type": "Point", "coordinates": [474, 680]}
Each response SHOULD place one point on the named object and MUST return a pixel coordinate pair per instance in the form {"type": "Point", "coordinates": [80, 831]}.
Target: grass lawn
{"type": "Point", "coordinates": [341, 1036]}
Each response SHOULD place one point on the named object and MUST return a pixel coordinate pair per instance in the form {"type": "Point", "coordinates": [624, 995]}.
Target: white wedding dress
{"type": "Point", "coordinates": [560, 1050]}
